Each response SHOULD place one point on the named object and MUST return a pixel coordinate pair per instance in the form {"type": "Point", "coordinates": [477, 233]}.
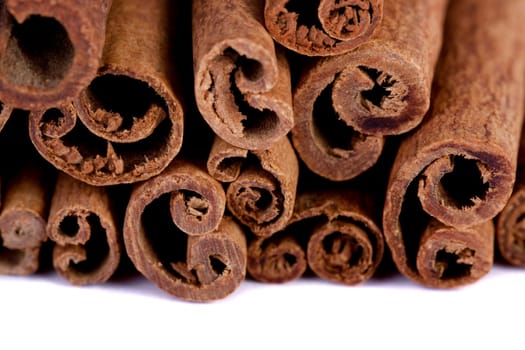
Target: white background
{"type": "Point", "coordinates": [43, 311]}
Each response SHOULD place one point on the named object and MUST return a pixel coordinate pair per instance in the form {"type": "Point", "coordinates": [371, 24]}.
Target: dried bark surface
{"type": "Point", "coordinates": [23, 221]}
{"type": "Point", "coordinates": [206, 261]}
{"type": "Point", "coordinates": [84, 227]}
{"type": "Point", "coordinates": [459, 167]}
{"type": "Point", "coordinates": [345, 244]}
{"type": "Point", "coordinates": [5, 113]}
{"type": "Point", "coordinates": [344, 105]}
{"type": "Point", "coordinates": [127, 126]}
{"type": "Point", "coordinates": [323, 27]}
{"type": "Point", "coordinates": [49, 50]}
{"type": "Point", "coordinates": [263, 184]}
{"type": "Point", "coordinates": [242, 83]}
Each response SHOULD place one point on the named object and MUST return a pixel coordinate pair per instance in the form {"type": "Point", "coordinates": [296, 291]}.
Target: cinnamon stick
{"type": "Point", "coordinates": [242, 82]}
{"type": "Point", "coordinates": [83, 225]}
{"type": "Point", "coordinates": [127, 125]}
{"type": "Point", "coordinates": [5, 113]}
{"type": "Point", "coordinates": [49, 51]}
{"type": "Point", "coordinates": [459, 167]}
{"type": "Point", "coordinates": [345, 244]}
{"type": "Point", "coordinates": [23, 220]}
{"type": "Point", "coordinates": [324, 27]}
{"type": "Point", "coordinates": [263, 184]}
{"type": "Point", "coordinates": [204, 262]}
{"type": "Point", "coordinates": [510, 233]}
{"type": "Point", "coordinates": [344, 105]}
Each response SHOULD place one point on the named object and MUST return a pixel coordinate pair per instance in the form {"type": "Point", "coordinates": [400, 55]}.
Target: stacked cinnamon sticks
{"type": "Point", "coordinates": [311, 137]}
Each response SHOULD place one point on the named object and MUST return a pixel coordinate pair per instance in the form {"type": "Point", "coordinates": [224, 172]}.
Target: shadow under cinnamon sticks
{"type": "Point", "coordinates": [242, 81]}
{"type": "Point", "coordinates": [456, 172]}
{"type": "Point", "coordinates": [345, 105]}
{"type": "Point", "coordinates": [323, 27]}
{"type": "Point", "coordinates": [127, 125]}
{"type": "Point", "coordinates": [49, 51]}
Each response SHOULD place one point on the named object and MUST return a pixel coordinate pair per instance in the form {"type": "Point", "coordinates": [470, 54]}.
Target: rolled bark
{"type": "Point", "coordinates": [206, 261]}
{"type": "Point", "coordinates": [345, 244]}
{"type": "Point", "coordinates": [459, 166]}
{"type": "Point", "coordinates": [344, 105]}
{"type": "Point", "coordinates": [510, 229]}
{"type": "Point", "coordinates": [83, 225]}
{"type": "Point", "coordinates": [127, 126]}
{"type": "Point", "coordinates": [242, 83]}
{"type": "Point", "coordinates": [23, 220]}
{"type": "Point", "coordinates": [263, 184]}
{"type": "Point", "coordinates": [49, 51]}
{"type": "Point", "coordinates": [323, 27]}
{"type": "Point", "coordinates": [5, 113]}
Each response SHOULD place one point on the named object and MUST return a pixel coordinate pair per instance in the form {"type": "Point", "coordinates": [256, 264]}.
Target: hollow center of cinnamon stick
{"type": "Point", "coordinates": [342, 250]}
{"type": "Point", "coordinates": [306, 11]}
{"type": "Point", "coordinates": [381, 89]}
{"type": "Point", "coordinates": [97, 247]}
{"type": "Point", "coordinates": [217, 265]}
{"type": "Point", "coordinates": [196, 205]}
{"type": "Point", "coordinates": [69, 226]}
{"type": "Point", "coordinates": [39, 53]}
{"type": "Point", "coordinates": [129, 98]}
{"type": "Point", "coordinates": [464, 184]}
{"type": "Point", "coordinates": [451, 265]}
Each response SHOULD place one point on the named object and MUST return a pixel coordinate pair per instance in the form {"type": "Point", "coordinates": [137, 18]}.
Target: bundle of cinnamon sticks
{"type": "Point", "coordinates": [212, 141]}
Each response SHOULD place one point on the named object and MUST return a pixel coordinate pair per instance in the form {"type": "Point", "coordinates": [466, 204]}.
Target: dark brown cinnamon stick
{"type": "Point", "coordinates": [459, 166]}
{"type": "Point", "coordinates": [510, 229]}
{"type": "Point", "coordinates": [242, 83]}
{"type": "Point", "coordinates": [127, 125]}
{"type": "Point", "coordinates": [49, 51]}
{"type": "Point", "coordinates": [324, 27]}
{"type": "Point", "coordinates": [263, 184]}
{"type": "Point", "coordinates": [23, 220]}
{"type": "Point", "coordinates": [206, 263]}
{"type": "Point", "coordinates": [345, 244]}
{"type": "Point", "coordinates": [381, 88]}
{"type": "Point", "coordinates": [83, 225]}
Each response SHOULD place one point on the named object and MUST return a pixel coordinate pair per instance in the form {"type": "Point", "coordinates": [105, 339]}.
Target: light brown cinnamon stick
{"type": "Point", "coordinates": [263, 184]}
{"type": "Point", "coordinates": [459, 166]}
{"type": "Point", "coordinates": [23, 220]}
{"type": "Point", "coordinates": [206, 263]}
{"type": "Point", "coordinates": [510, 229]}
{"type": "Point", "coordinates": [344, 105]}
{"type": "Point", "coordinates": [49, 50]}
{"type": "Point", "coordinates": [242, 83]}
{"type": "Point", "coordinates": [323, 27]}
{"type": "Point", "coordinates": [345, 244]}
{"type": "Point", "coordinates": [83, 225]}
{"type": "Point", "coordinates": [127, 125]}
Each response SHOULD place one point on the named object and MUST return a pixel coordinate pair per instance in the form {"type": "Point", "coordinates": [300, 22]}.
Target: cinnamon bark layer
{"type": "Point", "coordinates": [82, 223]}
{"type": "Point", "coordinates": [263, 184]}
{"type": "Point", "coordinates": [23, 221]}
{"type": "Point", "coordinates": [49, 50]}
{"type": "Point", "coordinates": [242, 83]}
{"type": "Point", "coordinates": [345, 244]}
{"type": "Point", "coordinates": [344, 105]}
{"type": "Point", "coordinates": [510, 229]}
{"type": "Point", "coordinates": [323, 27]}
{"type": "Point", "coordinates": [127, 125]}
{"type": "Point", "coordinates": [206, 261]}
{"type": "Point", "coordinates": [459, 166]}
{"type": "Point", "coordinates": [5, 113]}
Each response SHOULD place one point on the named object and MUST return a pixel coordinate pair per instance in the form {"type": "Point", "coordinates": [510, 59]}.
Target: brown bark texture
{"type": "Point", "coordinates": [344, 105]}
{"type": "Point", "coordinates": [263, 184]}
{"type": "Point", "coordinates": [204, 262]}
{"type": "Point", "coordinates": [5, 114]}
{"type": "Point", "coordinates": [49, 50]}
{"type": "Point", "coordinates": [242, 82]}
{"type": "Point", "coordinates": [323, 27]}
{"type": "Point", "coordinates": [23, 220]}
{"type": "Point", "coordinates": [344, 241]}
{"type": "Point", "coordinates": [127, 126]}
{"type": "Point", "coordinates": [84, 228]}
{"type": "Point", "coordinates": [457, 170]}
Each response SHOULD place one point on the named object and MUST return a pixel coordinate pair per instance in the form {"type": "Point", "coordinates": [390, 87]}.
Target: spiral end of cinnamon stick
{"type": "Point", "coordinates": [322, 28]}
{"type": "Point", "coordinates": [50, 51]}
{"type": "Point", "coordinates": [510, 233]}
{"type": "Point", "coordinates": [345, 252]}
{"type": "Point", "coordinates": [276, 259]}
